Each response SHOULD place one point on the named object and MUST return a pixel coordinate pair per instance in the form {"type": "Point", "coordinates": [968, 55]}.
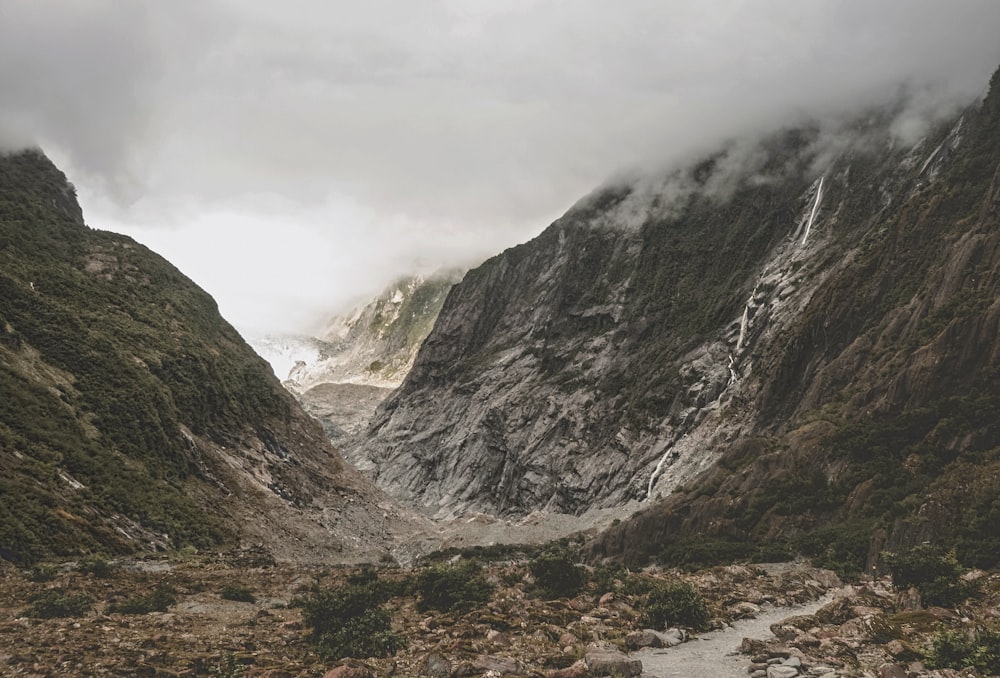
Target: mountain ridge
{"type": "Point", "coordinates": [656, 331]}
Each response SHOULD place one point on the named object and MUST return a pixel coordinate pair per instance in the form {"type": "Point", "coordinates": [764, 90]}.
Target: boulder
{"type": "Point", "coordinates": [577, 670]}
{"type": "Point", "coordinates": [611, 663]}
{"type": "Point", "coordinates": [752, 646]}
{"type": "Point", "coordinates": [650, 638]}
{"type": "Point", "coordinates": [435, 666]}
{"type": "Point", "coordinates": [503, 666]}
{"type": "Point", "coordinates": [892, 671]}
{"type": "Point", "coordinates": [744, 610]}
{"type": "Point", "coordinates": [781, 671]}
{"type": "Point", "coordinates": [643, 638]}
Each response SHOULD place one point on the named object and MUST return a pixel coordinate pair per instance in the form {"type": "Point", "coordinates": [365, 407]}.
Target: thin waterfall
{"type": "Point", "coordinates": [815, 208]}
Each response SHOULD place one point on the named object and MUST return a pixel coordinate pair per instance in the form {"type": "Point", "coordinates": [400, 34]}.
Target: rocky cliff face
{"type": "Point", "coordinates": [793, 317]}
{"type": "Point", "coordinates": [132, 416]}
{"type": "Point", "coordinates": [341, 375]}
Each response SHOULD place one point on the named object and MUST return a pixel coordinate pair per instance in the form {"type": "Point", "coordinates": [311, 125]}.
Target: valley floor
{"type": "Point", "coordinates": [200, 631]}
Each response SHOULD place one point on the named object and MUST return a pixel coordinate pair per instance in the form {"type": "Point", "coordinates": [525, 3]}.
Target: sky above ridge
{"type": "Point", "coordinates": [294, 157]}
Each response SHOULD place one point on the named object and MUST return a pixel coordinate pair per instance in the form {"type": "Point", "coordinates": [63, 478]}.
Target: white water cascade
{"type": "Point", "coordinates": [815, 208]}
{"type": "Point", "coordinates": [779, 277]}
{"type": "Point", "coordinates": [744, 322]}
{"type": "Point", "coordinates": [659, 466]}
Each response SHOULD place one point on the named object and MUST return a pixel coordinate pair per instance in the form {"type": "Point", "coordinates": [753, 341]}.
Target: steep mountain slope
{"type": "Point", "coordinates": [132, 416]}
{"type": "Point", "coordinates": [342, 374]}
{"type": "Point", "coordinates": [801, 316]}
{"type": "Point", "coordinates": [877, 412]}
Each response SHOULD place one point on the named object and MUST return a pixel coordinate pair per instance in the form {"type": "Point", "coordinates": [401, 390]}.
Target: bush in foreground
{"type": "Point", "coordinates": [935, 573]}
{"type": "Point", "coordinates": [557, 574]}
{"type": "Point", "coordinates": [955, 649]}
{"type": "Point", "coordinates": [158, 600]}
{"type": "Point", "coordinates": [350, 621]}
{"type": "Point", "coordinates": [238, 593]}
{"type": "Point", "coordinates": [57, 603]}
{"type": "Point", "coordinates": [450, 588]}
{"type": "Point", "coordinates": [671, 603]}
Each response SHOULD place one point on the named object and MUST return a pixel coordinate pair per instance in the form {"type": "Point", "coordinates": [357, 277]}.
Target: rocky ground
{"type": "Point", "coordinates": [865, 630]}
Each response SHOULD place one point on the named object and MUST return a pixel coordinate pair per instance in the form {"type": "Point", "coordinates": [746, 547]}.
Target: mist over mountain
{"type": "Point", "coordinates": [791, 335]}
{"type": "Point", "coordinates": [351, 365]}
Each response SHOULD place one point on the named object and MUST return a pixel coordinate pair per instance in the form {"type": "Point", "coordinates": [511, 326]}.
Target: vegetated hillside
{"type": "Point", "coordinates": [132, 416]}
{"type": "Point", "coordinates": [811, 319]}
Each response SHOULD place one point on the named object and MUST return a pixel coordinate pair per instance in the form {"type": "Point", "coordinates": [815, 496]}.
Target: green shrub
{"type": "Point", "coordinates": [842, 548]}
{"type": "Point", "coordinates": [238, 592]}
{"type": "Point", "coordinates": [446, 588]}
{"type": "Point", "coordinates": [350, 622]}
{"type": "Point", "coordinates": [557, 574]}
{"type": "Point", "coordinates": [674, 603]}
{"type": "Point", "coordinates": [608, 576]}
{"type": "Point", "coordinates": [158, 600]}
{"type": "Point", "coordinates": [933, 571]}
{"type": "Point", "coordinates": [98, 567]}
{"type": "Point", "coordinates": [56, 603]}
{"type": "Point", "coordinates": [42, 573]}
{"type": "Point", "coordinates": [956, 649]}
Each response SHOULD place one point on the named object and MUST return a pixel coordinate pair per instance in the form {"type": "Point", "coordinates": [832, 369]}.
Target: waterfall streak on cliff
{"type": "Point", "coordinates": [744, 321]}
{"type": "Point", "coordinates": [815, 208]}
{"type": "Point", "coordinates": [656, 472]}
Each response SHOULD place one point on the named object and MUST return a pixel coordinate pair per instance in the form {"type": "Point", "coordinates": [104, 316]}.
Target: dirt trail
{"type": "Point", "coordinates": [714, 654]}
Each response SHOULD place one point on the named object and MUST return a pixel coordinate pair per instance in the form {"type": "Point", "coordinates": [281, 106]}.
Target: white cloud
{"type": "Point", "coordinates": [445, 129]}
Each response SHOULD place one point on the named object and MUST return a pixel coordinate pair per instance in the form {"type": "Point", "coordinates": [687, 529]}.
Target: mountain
{"type": "Point", "coordinates": [794, 341]}
{"type": "Point", "coordinates": [133, 417]}
{"type": "Point", "coordinates": [342, 374]}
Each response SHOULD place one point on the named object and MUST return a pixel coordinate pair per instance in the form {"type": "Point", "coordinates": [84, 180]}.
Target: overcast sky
{"type": "Point", "coordinates": [293, 156]}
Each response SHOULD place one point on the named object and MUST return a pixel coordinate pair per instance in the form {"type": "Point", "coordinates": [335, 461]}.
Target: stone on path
{"type": "Point", "coordinates": [612, 663]}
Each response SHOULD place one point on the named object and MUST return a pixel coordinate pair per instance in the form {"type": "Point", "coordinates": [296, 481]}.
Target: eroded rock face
{"type": "Point", "coordinates": [751, 308]}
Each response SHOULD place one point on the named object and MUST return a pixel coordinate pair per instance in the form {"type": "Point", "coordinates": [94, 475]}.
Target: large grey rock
{"type": "Point", "coordinates": [652, 638]}
{"type": "Point", "coordinates": [611, 663]}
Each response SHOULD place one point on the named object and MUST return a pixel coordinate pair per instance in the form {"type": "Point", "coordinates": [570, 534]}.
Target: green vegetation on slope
{"type": "Point", "coordinates": [107, 353]}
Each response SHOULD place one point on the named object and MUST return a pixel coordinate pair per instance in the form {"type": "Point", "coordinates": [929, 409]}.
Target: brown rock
{"type": "Point", "coordinates": [865, 610]}
{"type": "Point", "coordinates": [805, 640]}
{"type": "Point", "coordinates": [892, 671]}
{"type": "Point", "coordinates": [348, 672]}
{"type": "Point", "coordinates": [901, 650]}
{"type": "Point", "coordinates": [744, 610]}
{"type": "Point", "coordinates": [785, 632]}
{"type": "Point", "coordinates": [435, 666]}
{"type": "Point", "coordinates": [577, 670]}
{"type": "Point", "coordinates": [827, 578]}
{"type": "Point", "coordinates": [502, 665]}
{"type": "Point", "coordinates": [606, 599]}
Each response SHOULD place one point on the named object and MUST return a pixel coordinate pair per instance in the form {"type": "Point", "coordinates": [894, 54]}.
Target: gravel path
{"type": "Point", "coordinates": [713, 654]}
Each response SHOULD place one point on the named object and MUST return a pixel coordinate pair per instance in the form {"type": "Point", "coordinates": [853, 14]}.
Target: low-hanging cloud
{"type": "Point", "coordinates": [472, 121]}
